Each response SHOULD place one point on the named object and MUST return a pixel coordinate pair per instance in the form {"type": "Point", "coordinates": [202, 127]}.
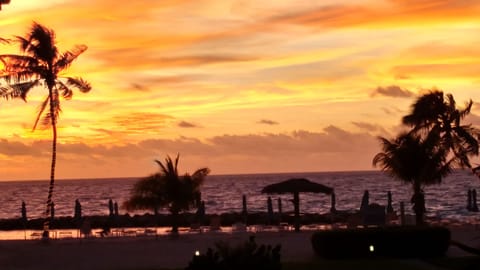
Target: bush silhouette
{"type": "Point", "coordinates": [248, 255]}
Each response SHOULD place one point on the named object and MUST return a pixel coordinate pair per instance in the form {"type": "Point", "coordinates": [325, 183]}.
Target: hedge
{"type": "Point", "coordinates": [395, 242]}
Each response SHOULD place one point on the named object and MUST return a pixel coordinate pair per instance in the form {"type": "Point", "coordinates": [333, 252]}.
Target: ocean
{"type": "Point", "coordinates": [223, 194]}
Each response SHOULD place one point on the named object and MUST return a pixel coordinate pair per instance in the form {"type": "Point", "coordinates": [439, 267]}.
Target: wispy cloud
{"type": "Point", "coordinates": [392, 91]}
{"type": "Point", "coordinates": [185, 124]}
{"type": "Point", "coordinates": [267, 122]}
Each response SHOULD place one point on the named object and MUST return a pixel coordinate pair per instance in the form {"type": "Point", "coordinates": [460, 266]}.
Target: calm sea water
{"type": "Point", "coordinates": [223, 193]}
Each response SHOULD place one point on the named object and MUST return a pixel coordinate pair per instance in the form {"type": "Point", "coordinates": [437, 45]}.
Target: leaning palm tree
{"type": "Point", "coordinates": [414, 160]}
{"type": "Point", "coordinates": [168, 189]}
{"type": "Point", "coordinates": [438, 113]}
{"type": "Point", "coordinates": [41, 64]}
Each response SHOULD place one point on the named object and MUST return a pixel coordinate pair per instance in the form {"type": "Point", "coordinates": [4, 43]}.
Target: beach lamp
{"type": "Point", "coordinates": [371, 248]}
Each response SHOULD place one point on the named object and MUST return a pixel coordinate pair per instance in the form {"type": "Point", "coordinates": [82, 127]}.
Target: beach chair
{"type": "Point", "coordinates": [86, 229]}
{"type": "Point", "coordinates": [195, 227]}
{"type": "Point", "coordinates": [239, 227]}
{"type": "Point", "coordinates": [215, 223]}
{"type": "Point", "coordinates": [374, 215]}
{"type": "Point", "coordinates": [354, 220]}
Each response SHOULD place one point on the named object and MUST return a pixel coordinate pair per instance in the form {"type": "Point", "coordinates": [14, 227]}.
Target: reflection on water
{"type": "Point", "coordinates": [223, 194]}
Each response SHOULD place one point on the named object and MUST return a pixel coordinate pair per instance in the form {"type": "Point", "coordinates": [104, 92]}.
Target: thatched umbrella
{"type": "Point", "coordinates": [333, 201]}
{"type": "Point", "coordinates": [389, 203]}
{"type": "Point", "coordinates": [115, 209]}
{"type": "Point", "coordinates": [295, 186]}
{"type": "Point", "coordinates": [110, 207]}
{"type": "Point", "coordinates": [244, 208]}
{"type": "Point", "coordinates": [269, 211]}
{"type": "Point", "coordinates": [365, 201]}
{"type": "Point", "coordinates": [279, 209]}
{"type": "Point", "coordinates": [24, 219]}
{"type": "Point", "coordinates": [77, 214]}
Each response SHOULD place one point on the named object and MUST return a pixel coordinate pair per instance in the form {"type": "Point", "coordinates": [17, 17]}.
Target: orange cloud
{"type": "Point", "coordinates": [395, 13]}
{"type": "Point", "coordinates": [469, 70]}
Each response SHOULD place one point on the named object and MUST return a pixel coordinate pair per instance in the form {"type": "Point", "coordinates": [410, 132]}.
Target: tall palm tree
{"type": "Point", "coordinates": [41, 64]}
{"type": "Point", "coordinates": [438, 113]}
{"type": "Point", "coordinates": [417, 161]}
{"type": "Point", "coordinates": [168, 189]}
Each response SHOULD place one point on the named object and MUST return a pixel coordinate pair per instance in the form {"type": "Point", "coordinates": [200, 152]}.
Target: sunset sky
{"type": "Point", "coordinates": [238, 86]}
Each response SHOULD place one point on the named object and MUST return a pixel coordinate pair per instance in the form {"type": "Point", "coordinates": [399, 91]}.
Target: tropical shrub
{"type": "Point", "coordinates": [248, 255]}
{"type": "Point", "coordinates": [397, 242]}
{"type": "Point", "coordinates": [167, 189]}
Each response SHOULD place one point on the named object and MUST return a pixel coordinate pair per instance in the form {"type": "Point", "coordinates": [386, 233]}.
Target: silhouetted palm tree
{"type": "Point", "coordinates": [40, 65]}
{"type": "Point", "coordinates": [434, 112]}
{"type": "Point", "coordinates": [414, 160]}
{"type": "Point", "coordinates": [168, 189]}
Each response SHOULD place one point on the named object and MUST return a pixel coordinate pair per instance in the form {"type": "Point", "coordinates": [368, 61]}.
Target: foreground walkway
{"type": "Point", "coordinates": [161, 252]}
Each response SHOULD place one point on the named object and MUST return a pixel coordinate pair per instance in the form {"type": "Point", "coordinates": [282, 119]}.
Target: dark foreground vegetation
{"type": "Point", "coordinates": [248, 255]}
{"type": "Point", "coordinates": [382, 242]}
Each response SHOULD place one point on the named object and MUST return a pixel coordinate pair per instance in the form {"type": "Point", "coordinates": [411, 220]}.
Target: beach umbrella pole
{"type": "Point", "coordinates": [296, 205]}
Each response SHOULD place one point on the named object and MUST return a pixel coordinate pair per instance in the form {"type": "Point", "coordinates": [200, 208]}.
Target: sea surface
{"type": "Point", "coordinates": [223, 193]}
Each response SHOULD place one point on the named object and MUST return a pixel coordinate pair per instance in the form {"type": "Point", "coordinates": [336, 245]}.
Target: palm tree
{"type": "Point", "coordinates": [434, 112]}
{"type": "Point", "coordinates": [417, 161]}
{"type": "Point", "coordinates": [41, 64]}
{"type": "Point", "coordinates": [168, 189]}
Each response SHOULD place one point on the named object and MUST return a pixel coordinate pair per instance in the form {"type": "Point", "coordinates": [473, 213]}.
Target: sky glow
{"type": "Point", "coordinates": [237, 86]}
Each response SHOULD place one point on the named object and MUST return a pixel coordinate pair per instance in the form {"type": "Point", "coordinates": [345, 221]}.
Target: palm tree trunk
{"type": "Point", "coordinates": [46, 224]}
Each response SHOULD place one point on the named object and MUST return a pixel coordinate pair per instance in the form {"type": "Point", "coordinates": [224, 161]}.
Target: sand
{"type": "Point", "coordinates": [160, 252]}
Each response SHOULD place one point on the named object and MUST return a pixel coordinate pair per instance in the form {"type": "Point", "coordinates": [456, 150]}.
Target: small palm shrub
{"type": "Point", "coordinates": [248, 255]}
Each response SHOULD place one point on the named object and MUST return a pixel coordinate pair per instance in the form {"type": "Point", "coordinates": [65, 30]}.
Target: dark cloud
{"type": "Point", "coordinates": [267, 122]}
{"type": "Point", "coordinates": [139, 87]}
{"type": "Point", "coordinates": [366, 126]}
{"type": "Point", "coordinates": [17, 149]}
{"type": "Point", "coordinates": [473, 119]}
{"type": "Point", "coordinates": [392, 91]}
{"type": "Point", "coordinates": [331, 149]}
{"type": "Point", "coordinates": [185, 124]}
{"type": "Point", "coordinates": [369, 127]}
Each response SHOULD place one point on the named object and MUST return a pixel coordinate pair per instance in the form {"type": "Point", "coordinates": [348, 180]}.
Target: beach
{"type": "Point", "coordinates": [164, 251]}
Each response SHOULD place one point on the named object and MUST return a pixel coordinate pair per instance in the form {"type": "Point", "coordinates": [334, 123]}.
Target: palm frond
{"type": "Point", "coordinates": [5, 40]}
{"type": "Point", "coordinates": [18, 90]}
{"type": "Point", "coordinates": [41, 109]}
{"type": "Point", "coordinates": [40, 43]}
{"type": "Point", "coordinates": [54, 102]}
{"type": "Point", "coordinates": [79, 83]}
{"type": "Point", "coordinates": [67, 93]}
{"type": "Point", "coordinates": [68, 57]}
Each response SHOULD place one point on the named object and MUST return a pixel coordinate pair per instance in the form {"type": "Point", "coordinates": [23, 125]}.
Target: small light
{"type": "Point", "coordinates": [371, 248]}
{"type": "Point", "coordinates": [197, 253]}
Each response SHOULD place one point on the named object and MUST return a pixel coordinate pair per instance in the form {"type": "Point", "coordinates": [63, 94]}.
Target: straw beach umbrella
{"type": "Point", "coordinates": [270, 210]}
{"type": "Point", "coordinates": [365, 201]}
{"type": "Point", "coordinates": [24, 212]}
{"type": "Point", "coordinates": [295, 186]}
{"type": "Point", "coordinates": [279, 209]}
{"type": "Point", "coordinates": [115, 209]}
{"type": "Point", "coordinates": [110, 207]}
{"type": "Point", "coordinates": [333, 201]}
{"type": "Point", "coordinates": [244, 208]}
{"type": "Point", "coordinates": [78, 211]}
{"type": "Point", "coordinates": [389, 202]}
{"type": "Point", "coordinates": [24, 219]}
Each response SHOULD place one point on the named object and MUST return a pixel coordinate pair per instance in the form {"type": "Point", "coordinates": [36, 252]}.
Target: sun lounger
{"type": "Point", "coordinates": [215, 223]}
{"type": "Point", "coordinates": [239, 227]}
